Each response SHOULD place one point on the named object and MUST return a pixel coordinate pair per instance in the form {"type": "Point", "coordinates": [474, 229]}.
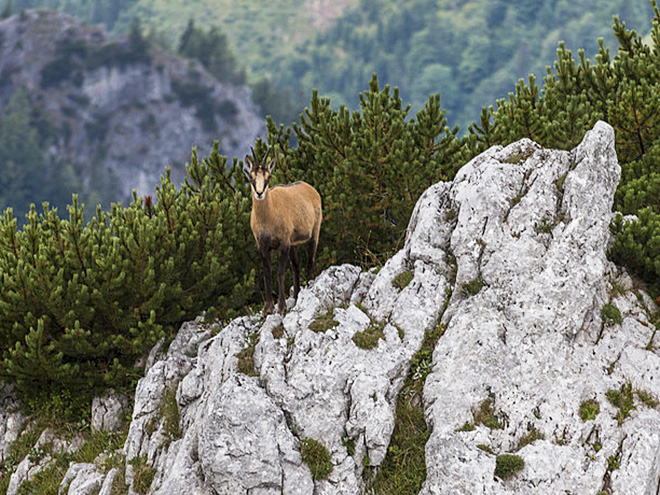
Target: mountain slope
{"type": "Point", "coordinates": [550, 356]}
{"type": "Point", "coordinates": [118, 110]}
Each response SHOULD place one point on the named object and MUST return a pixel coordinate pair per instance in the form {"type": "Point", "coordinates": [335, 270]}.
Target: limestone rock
{"type": "Point", "coordinates": [108, 411]}
{"type": "Point", "coordinates": [11, 419]}
{"type": "Point", "coordinates": [511, 258]}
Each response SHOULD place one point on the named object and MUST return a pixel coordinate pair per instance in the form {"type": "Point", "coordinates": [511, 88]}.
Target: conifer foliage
{"type": "Point", "coordinates": [82, 301]}
{"type": "Point", "coordinates": [370, 167]}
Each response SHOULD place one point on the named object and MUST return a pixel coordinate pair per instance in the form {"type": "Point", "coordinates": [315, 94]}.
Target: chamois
{"type": "Point", "coordinates": [283, 218]}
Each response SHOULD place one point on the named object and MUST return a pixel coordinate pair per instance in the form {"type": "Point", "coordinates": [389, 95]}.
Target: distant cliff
{"type": "Point", "coordinates": [119, 110]}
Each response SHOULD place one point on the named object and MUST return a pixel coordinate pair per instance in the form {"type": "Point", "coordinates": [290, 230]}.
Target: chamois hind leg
{"type": "Point", "coordinates": [283, 256]}
{"type": "Point", "coordinates": [265, 258]}
{"type": "Point", "coordinates": [295, 269]}
{"type": "Point", "coordinates": [311, 255]}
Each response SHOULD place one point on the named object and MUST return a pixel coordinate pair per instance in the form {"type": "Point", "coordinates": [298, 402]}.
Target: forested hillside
{"type": "Point", "coordinates": [471, 51]}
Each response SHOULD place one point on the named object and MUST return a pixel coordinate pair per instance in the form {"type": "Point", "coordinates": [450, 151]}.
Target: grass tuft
{"type": "Point", "coordinates": [623, 400]}
{"type": "Point", "coordinates": [485, 415]}
{"type": "Point", "coordinates": [317, 458]}
{"type": "Point", "coordinates": [368, 338]}
{"type": "Point", "coordinates": [323, 322]}
{"type": "Point", "coordinates": [403, 470]}
{"type": "Point", "coordinates": [246, 356]}
{"type": "Point", "coordinates": [143, 474]}
{"type": "Point", "coordinates": [473, 287]}
{"type": "Point", "coordinates": [589, 409]}
{"type": "Point", "coordinates": [402, 279]}
{"type": "Point", "coordinates": [610, 315]}
{"type": "Point", "coordinates": [506, 465]}
{"type": "Point", "coordinates": [530, 437]}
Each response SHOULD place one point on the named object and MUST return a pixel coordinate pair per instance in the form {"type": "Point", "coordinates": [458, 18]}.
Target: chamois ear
{"type": "Point", "coordinates": [271, 165]}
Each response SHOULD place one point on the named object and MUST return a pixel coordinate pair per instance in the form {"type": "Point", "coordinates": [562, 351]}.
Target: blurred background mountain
{"type": "Point", "coordinates": [101, 102]}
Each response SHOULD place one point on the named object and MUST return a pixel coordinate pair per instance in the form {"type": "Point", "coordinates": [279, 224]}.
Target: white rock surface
{"type": "Point", "coordinates": [108, 411]}
{"type": "Point", "coordinates": [511, 258]}
{"type": "Point", "coordinates": [11, 419]}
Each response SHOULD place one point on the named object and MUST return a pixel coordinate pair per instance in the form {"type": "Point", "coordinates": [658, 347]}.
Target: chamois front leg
{"type": "Point", "coordinates": [283, 256]}
{"type": "Point", "coordinates": [265, 258]}
{"type": "Point", "coordinates": [311, 254]}
{"type": "Point", "coordinates": [295, 269]}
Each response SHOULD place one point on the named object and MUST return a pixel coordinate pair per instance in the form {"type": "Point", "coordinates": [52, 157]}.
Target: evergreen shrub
{"type": "Point", "coordinates": [83, 301]}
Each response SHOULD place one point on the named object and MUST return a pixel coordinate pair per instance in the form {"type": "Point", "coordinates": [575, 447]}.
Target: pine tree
{"type": "Point", "coordinates": [83, 301]}
{"type": "Point", "coordinates": [370, 166]}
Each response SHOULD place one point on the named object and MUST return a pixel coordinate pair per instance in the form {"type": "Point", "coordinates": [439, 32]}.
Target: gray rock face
{"type": "Point", "coordinates": [511, 259]}
{"type": "Point", "coordinates": [11, 420]}
{"type": "Point", "coordinates": [108, 411]}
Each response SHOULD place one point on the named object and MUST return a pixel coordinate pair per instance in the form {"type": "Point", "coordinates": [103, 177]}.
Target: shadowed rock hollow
{"type": "Point", "coordinates": [511, 258]}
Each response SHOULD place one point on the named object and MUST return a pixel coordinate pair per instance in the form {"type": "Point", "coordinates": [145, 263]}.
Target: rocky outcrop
{"type": "Point", "coordinates": [121, 111]}
{"type": "Point", "coordinates": [542, 334]}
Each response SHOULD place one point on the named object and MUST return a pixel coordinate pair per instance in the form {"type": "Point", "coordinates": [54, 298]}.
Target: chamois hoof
{"type": "Point", "coordinates": [268, 309]}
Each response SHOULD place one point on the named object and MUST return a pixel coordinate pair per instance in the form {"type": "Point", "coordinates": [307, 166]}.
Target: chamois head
{"type": "Point", "coordinates": [258, 173]}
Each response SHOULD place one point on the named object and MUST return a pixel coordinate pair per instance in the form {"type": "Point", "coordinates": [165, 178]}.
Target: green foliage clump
{"type": "Point", "coordinates": [404, 468]}
{"type": "Point", "coordinates": [473, 287]}
{"type": "Point", "coordinates": [169, 412]}
{"type": "Point", "coordinates": [402, 280]}
{"type": "Point", "coordinates": [369, 166]}
{"type": "Point", "coordinates": [589, 409]}
{"type": "Point", "coordinates": [506, 465]}
{"type": "Point", "coordinates": [623, 400]}
{"type": "Point", "coordinates": [369, 337]}
{"type": "Point", "coordinates": [48, 479]}
{"type": "Point", "coordinates": [143, 474]}
{"type": "Point", "coordinates": [485, 415]}
{"type": "Point", "coordinates": [323, 322]}
{"type": "Point", "coordinates": [530, 437]}
{"type": "Point", "coordinates": [81, 302]}
{"type": "Point", "coordinates": [245, 357]}
{"type": "Point", "coordinates": [610, 315]}
{"type": "Point", "coordinates": [317, 458]}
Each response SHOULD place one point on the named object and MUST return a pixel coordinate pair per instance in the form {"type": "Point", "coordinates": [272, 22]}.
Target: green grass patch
{"type": "Point", "coordinates": [48, 479]}
{"type": "Point", "coordinates": [473, 287]}
{"type": "Point", "coordinates": [623, 400]}
{"type": "Point", "coordinates": [323, 322]}
{"type": "Point", "coordinates": [614, 462]}
{"type": "Point", "coordinates": [368, 338]}
{"type": "Point", "coordinates": [486, 448]}
{"type": "Point", "coordinates": [467, 426]}
{"type": "Point", "coordinates": [278, 331]}
{"type": "Point", "coordinates": [589, 409]}
{"type": "Point", "coordinates": [246, 356]}
{"type": "Point", "coordinates": [646, 398]}
{"type": "Point", "coordinates": [545, 226]}
{"type": "Point", "coordinates": [169, 412]}
{"type": "Point", "coordinates": [485, 415]}
{"type": "Point", "coordinates": [403, 470]}
{"type": "Point", "coordinates": [317, 458]}
{"type": "Point", "coordinates": [610, 315]}
{"type": "Point", "coordinates": [402, 279]}
{"type": "Point", "coordinates": [506, 465]}
{"type": "Point", "coordinates": [143, 474]}
{"type": "Point", "coordinates": [530, 437]}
